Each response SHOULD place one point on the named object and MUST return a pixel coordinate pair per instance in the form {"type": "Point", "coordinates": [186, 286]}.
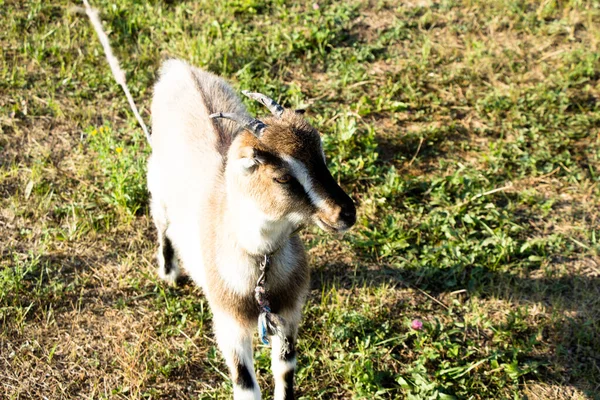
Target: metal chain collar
{"type": "Point", "coordinates": [269, 323]}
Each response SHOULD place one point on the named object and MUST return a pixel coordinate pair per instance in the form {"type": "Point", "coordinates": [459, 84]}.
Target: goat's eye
{"type": "Point", "coordinates": [283, 179]}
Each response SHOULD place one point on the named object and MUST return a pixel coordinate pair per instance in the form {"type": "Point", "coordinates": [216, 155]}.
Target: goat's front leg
{"type": "Point", "coordinates": [235, 342]}
{"type": "Point", "coordinates": [283, 365]}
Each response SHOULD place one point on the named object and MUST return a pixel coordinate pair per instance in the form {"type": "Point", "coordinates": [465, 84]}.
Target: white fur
{"type": "Point", "coordinates": [246, 164]}
{"type": "Point", "coordinates": [256, 232]}
{"type": "Point", "coordinates": [245, 394]}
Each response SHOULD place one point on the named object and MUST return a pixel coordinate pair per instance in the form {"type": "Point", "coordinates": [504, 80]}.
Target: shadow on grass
{"type": "Point", "coordinates": [570, 305]}
{"type": "Point", "coordinates": [427, 144]}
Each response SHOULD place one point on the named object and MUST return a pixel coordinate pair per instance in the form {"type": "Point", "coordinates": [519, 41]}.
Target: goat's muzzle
{"type": "Point", "coordinates": [338, 214]}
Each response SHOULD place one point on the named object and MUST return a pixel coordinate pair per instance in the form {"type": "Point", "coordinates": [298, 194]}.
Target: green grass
{"type": "Point", "coordinates": [468, 132]}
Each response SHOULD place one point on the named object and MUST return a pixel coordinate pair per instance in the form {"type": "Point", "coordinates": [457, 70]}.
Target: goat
{"type": "Point", "coordinates": [228, 195]}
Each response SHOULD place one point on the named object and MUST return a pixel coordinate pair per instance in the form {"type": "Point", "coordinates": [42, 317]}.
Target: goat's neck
{"type": "Point", "coordinates": [254, 231]}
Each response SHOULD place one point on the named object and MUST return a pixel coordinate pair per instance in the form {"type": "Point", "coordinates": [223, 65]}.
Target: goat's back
{"type": "Point", "coordinates": [188, 148]}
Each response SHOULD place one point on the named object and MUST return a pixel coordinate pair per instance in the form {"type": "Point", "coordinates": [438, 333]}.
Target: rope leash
{"type": "Point", "coordinates": [269, 323]}
{"type": "Point", "coordinates": [115, 68]}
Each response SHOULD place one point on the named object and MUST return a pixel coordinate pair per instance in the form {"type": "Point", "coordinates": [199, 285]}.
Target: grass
{"type": "Point", "coordinates": [468, 132]}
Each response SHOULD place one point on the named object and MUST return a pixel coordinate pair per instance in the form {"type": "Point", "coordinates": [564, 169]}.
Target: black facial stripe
{"type": "Point", "coordinates": [296, 187]}
{"type": "Point", "coordinates": [269, 158]}
{"type": "Point", "coordinates": [326, 186]}
{"type": "Point", "coordinates": [244, 379]}
{"type": "Point", "coordinates": [168, 254]}
{"type": "Point", "coordinates": [297, 191]}
{"type": "Point", "coordinates": [293, 187]}
{"type": "Point", "coordinates": [322, 182]}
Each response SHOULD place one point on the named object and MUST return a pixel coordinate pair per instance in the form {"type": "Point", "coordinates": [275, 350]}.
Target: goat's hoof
{"type": "Point", "coordinates": [171, 277]}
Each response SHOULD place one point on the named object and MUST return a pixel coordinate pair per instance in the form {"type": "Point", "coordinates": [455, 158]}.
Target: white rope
{"type": "Point", "coordinates": [117, 72]}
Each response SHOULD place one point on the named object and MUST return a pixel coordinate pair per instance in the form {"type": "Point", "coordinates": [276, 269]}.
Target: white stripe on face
{"type": "Point", "coordinates": [300, 171]}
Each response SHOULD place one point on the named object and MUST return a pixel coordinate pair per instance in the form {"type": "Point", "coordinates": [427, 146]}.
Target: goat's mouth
{"type": "Point", "coordinates": [328, 227]}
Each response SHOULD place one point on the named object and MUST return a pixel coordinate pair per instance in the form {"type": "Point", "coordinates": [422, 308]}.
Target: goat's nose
{"type": "Point", "coordinates": [348, 213]}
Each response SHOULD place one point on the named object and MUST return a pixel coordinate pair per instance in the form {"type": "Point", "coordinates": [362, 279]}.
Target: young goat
{"type": "Point", "coordinates": [229, 193]}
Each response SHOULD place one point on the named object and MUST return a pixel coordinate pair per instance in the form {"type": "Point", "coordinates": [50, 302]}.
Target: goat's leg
{"type": "Point", "coordinates": [235, 342]}
{"type": "Point", "coordinates": [283, 363]}
{"type": "Point", "coordinates": [168, 268]}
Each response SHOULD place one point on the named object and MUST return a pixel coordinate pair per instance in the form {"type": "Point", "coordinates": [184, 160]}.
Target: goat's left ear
{"type": "Point", "coordinates": [247, 164]}
{"type": "Point", "coordinates": [250, 158]}
{"type": "Point", "coordinates": [246, 159]}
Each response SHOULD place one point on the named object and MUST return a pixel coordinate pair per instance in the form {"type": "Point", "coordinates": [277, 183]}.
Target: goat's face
{"type": "Point", "coordinates": [283, 172]}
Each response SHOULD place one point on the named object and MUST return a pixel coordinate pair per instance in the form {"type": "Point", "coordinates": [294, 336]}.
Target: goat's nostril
{"type": "Point", "coordinates": [348, 213]}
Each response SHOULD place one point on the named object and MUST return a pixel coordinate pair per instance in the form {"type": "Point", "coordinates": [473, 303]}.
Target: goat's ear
{"type": "Point", "coordinates": [249, 159]}
{"type": "Point", "coordinates": [300, 111]}
{"type": "Point", "coordinates": [248, 165]}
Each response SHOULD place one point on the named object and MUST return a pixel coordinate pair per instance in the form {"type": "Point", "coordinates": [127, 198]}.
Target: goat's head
{"type": "Point", "coordinates": [279, 164]}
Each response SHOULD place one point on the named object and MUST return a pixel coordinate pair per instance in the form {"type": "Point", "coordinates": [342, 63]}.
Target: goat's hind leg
{"type": "Point", "coordinates": [168, 267]}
